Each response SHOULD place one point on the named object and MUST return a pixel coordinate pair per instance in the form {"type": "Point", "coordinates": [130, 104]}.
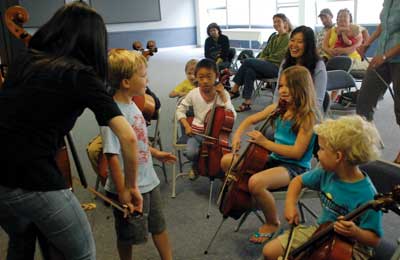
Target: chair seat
{"type": "Point", "coordinates": [358, 74]}
{"type": "Point", "coordinates": [337, 106]}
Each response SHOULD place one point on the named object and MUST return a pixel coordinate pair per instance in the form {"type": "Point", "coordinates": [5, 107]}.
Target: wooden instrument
{"type": "Point", "coordinates": [235, 198]}
{"type": "Point", "coordinates": [326, 244]}
{"type": "Point", "coordinates": [218, 124]}
{"type": "Point", "coordinates": [151, 48]}
{"type": "Point", "coordinates": [146, 104]}
{"type": "Point", "coordinates": [14, 18]}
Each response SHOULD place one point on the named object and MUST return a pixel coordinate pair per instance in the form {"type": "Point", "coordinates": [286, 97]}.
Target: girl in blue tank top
{"type": "Point", "coordinates": [291, 150]}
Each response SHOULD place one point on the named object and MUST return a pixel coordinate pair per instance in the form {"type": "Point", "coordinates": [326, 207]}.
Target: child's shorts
{"type": "Point", "coordinates": [136, 230]}
{"type": "Point", "coordinates": [292, 169]}
{"type": "Point", "coordinates": [303, 233]}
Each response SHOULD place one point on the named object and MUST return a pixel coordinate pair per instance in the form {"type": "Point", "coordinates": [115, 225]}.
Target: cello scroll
{"type": "Point", "coordinates": [14, 18]}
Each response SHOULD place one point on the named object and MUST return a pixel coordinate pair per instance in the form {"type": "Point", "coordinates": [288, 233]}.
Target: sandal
{"type": "Point", "coordinates": [261, 237]}
{"type": "Point", "coordinates": [234, 94]}
{"type": "Point", "coordinates": [243, 107]}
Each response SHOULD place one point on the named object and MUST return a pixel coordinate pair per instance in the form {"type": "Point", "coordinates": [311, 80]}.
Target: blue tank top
{"type": "Point", "coordinates": [285, 135]}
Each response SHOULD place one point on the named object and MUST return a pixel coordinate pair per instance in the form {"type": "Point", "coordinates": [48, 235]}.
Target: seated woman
{"type": "Point", "coordinates": [343, 28]}
{"type": "Point", "coordinates": [266, 65]}
{"type": "Point", "coordinates": [302, 51]}
{"type": "Point", "coordinates": [343, 40]}
{"type": "Point", "coordinates": [217, 47]}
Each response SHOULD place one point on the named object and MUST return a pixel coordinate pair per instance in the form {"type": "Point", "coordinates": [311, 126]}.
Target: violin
{"type": "Point", "coordinates": [15, 17]}
{"type": "Point", "coordinates": [326, 244]}
{"type": "Point", "coordinates": [235, 198]}
{"type": "Point", "coordinates": [146, 104]}
{"type": "Point", "coordinates": [218, 124]}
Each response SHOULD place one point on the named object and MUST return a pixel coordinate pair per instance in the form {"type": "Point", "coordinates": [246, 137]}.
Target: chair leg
{"type": "Point", "coordinates": [258, 216]}
{"type": "Point", "coordinates": [180, 161]}
{"type": "Point", "coordinates": [308, 209]}
{"type": "Point", "coordinates": [210, 198]}
{"type": "Point", "coordinates": [96, 187]}
{"type": "Point", "coordinates": [173, 194]}
{"type": "Point", "coordinates": [244, 217]}
{"type": "Point", "coordinates": [302, 216]}
{"type": "Point", "coordinates": [163, 164]}
{"type": "Point", "coordinates": [242, 220]}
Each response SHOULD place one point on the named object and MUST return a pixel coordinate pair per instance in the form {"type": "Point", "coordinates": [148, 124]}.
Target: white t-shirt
{"type": "Point", "coordinates": [200, 108]}
{"type": "Point", "coordinates": [147, 178]}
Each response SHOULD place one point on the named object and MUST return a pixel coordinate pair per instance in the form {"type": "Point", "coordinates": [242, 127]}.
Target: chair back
{"type": "Point", "coordinates": [339, 79]}
{"type": "Point", "coordinates": [339, 63]}
{"type": "Point", "coordinates": [383, 174]}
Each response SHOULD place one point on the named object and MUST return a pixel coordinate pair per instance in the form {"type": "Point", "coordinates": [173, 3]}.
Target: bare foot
{"type": "Point", "coordinates": [264, 233]}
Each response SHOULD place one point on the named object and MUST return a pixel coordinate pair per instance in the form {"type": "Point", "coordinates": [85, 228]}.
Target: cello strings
{"type": "Point", "coordinates": [226, 178]}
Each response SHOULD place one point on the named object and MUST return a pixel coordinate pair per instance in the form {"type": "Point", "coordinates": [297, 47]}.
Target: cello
{"type": "Point", "coordinates": [146, 104]}
{"type": "Point", "coordinates": [218, 126]}
{"type": "Point", "coordinates": [235, 198]}
{"type": "Point", "coordinates": [326, 244]}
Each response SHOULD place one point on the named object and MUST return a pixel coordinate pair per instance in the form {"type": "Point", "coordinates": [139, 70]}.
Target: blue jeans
{"type": "Point", "coordinates": [57, 214]}
{"type": "Point", "coordinates": [251, 70]}
{"type": "Point", "coordinates": [193, 148]}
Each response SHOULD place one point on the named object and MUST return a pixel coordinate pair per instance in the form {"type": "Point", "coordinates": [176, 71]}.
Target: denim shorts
{"type": "Point", "coordinates": [292, 169]}
{"type": "Point", "coordinates": [135, 230]}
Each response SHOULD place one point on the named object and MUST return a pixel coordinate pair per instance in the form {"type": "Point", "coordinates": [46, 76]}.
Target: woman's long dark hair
{"type": "Point", "coordinates": [74, 31]}
{"type": "Point", "coordinates": [310, 56]}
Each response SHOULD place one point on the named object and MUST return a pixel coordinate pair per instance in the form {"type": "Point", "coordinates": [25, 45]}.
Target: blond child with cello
{"type": "Point", "coordinates": [201, 99]}
{"type": "Point", "coordinates": [344, 144]}
{"type": "Point", "coordinates": [291, 152]}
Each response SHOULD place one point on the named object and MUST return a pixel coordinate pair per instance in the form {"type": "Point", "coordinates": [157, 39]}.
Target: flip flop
{"type": "Point", "coordinates": [264, 237]}
{"type": "Point", "coordinates": [243, 107]}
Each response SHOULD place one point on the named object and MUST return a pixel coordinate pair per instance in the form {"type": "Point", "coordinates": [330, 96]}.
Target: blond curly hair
{"type": "Point", "coordinates": [355, 137]}
{"type": "Point", "coordinates": [122, 64]}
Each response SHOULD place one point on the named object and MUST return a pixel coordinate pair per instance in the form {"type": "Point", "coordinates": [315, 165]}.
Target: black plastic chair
{"type": "Point", "coordinates": [384, 176]}
{"type": "Point", "coordinates": [339, 63]}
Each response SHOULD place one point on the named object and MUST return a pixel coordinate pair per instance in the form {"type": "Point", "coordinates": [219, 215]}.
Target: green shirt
{"type": "Point", "coordinates": [390, 22]}
{"type": "Point", "coordinates": [276, 48]}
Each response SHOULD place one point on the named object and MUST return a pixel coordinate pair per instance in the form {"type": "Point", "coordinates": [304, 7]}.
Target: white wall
{"type": "Point", "coordinates": [174, 14]}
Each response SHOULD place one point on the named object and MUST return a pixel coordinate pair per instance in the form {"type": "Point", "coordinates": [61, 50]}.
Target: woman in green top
{"type": "Point", "coordinates": [267, 63]}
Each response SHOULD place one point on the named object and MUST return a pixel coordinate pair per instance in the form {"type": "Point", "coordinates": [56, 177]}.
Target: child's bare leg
{"type": "Point", "coordinates": [161, 241]}
{"type": "Point", "coordinates": [259, 184]}
{"type": "Point", "coordinates": [235, 88]}
{"type": "Point", "coordinates": [124, 251]}
{"type": "Point", "coordinates": [226, 161]}
{"type": "Point", "coordinates": [334, 94]}
{"type": "Point", "coordinates": [397, 160]}
{"type": "Point", "coordinates": [272, 250]}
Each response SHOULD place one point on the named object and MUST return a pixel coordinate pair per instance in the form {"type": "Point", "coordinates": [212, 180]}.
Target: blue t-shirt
{"type": "Point", "coordinates": [147, 178]}
{"type": "Point", "coordinates": [338, 198]}
{"type": "Point", "coordinates": [285, 135]}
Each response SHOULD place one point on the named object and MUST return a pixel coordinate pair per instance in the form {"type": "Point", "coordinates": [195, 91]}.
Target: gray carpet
{"type": "Point", "coordinates": [188, 227]}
